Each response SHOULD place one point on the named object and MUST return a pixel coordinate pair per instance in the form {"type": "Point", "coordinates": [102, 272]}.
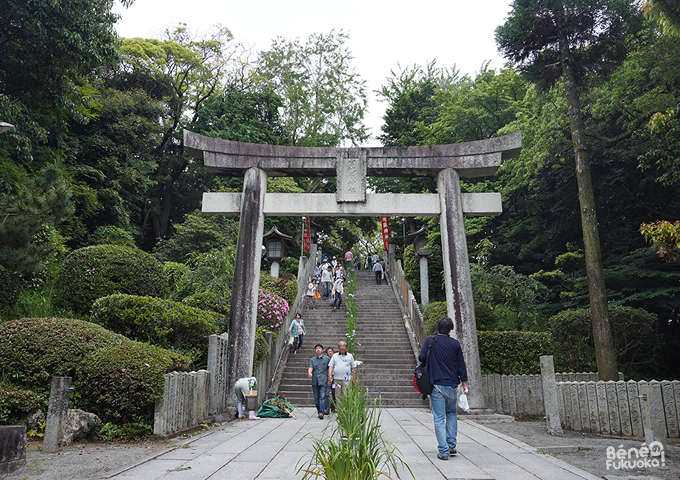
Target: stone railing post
{"type": "Point", "coordinates": [653, 417]}
{"type": "Point", "coordinates": [56, 412]}
{"type": "Point", "coordinates": [552, 408]}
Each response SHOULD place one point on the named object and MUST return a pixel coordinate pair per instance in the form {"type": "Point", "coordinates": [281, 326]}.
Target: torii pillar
{"type": "Point", "coordinates": [449, 163]}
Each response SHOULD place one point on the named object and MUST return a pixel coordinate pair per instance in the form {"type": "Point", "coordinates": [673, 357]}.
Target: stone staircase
{"type": "Point", "coordinates": [386, 353]}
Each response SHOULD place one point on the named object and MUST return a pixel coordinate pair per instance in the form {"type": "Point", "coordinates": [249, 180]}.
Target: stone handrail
{"type": "Point", "coordinates": [413, 318]}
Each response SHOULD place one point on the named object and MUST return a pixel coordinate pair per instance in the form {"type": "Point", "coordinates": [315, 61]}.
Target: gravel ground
{"type": "Point", "coordinates": [83, 460]}
{"type": "Point", "coordinates": [91, 460]}
{"type": "Point", "coordinates": [592, 450]}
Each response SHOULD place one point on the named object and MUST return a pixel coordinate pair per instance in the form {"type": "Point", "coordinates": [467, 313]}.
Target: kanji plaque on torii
{"type": "Point", "coordinates": [351, 166]}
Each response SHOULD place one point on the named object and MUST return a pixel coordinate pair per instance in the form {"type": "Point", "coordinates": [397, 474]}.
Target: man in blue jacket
{"type": "Point", "coordinates": [447, 370]}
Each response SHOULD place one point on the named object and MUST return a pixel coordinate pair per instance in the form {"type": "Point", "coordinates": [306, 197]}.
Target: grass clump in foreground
{"type": "Point", "coordinates": [352, 446]}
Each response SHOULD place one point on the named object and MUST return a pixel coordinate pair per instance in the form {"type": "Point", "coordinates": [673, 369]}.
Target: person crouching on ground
{"type": "Point", "coordinates": [298, 331]}
{"type": "Point", "coordinates": [447, 370]}
{"type": "Point", "coordinates": [318, 374]}
{"type": "Point", "coordinates": [240, 388]}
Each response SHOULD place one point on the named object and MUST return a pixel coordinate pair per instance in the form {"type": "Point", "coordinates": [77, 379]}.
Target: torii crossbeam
{"type": "Point", "coordinates": [352, 166]}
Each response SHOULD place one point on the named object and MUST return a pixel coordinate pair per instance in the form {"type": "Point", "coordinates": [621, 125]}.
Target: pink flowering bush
{"type": "Point", "coordinates": [272, 311]}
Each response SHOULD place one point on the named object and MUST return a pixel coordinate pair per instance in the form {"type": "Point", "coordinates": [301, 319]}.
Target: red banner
{"type": "Point", "coordinates": [385, 231]}
{"type": "Point", "coordinates": [306, 239]}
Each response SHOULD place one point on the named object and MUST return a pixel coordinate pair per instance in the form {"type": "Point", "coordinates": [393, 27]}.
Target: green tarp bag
{"type": "Point", "coordinates": [277, 407]}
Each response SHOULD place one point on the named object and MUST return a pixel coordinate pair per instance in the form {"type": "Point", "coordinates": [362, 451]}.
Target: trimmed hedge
{"type": "Point", "coordinates": [122, 382]}
{"type": "Point", "coordinates": [33, 350]}
{"type": "Point", "coordinates": [100, 270]}
{"type": "Point", "coordinates": [285, 286]}
{"type": "Point", "coordinates": [160, 322]}
{"type": "Point", "coordinates": [9, 290]}
{"type": "Point", "coordinates": [212, 302]}
{"type": "Point", "coordinates": [262, 349]}
{"type": "Point", "coordinates": [16, 403]}
{"type": "Point", "coordinates": [635, 333]}
{"type": "Point", "coordinates": [111, 235]}
{"type": "Point", "coordinates": [512, 352]}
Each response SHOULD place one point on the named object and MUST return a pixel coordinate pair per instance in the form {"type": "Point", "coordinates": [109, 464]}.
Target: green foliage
{"type": "Point", "coordinates": [197, 234]}
{"type": "Point", "coordinates": [174, 274]}
{"type": "Point", "coordinates": [29, 205]}
{"type": "Point", "coordinates": [211, 302]}
{"type": "Point", "coordinates": [97, 271]}
{"type": "Point", "coordinates": [129, 431]}
{"type": "Point", "coordinates": [163, 323]}
{"type": "Point", "coordinates": [262, 350]}
{"type": "Point", "coordinates": [433, 312]}
{"type": "Point", "coordinates": [323, 98]}
{"type": "Point", "coordinates": [635, 333]}
{"type": "Point", "coordinates": [16, 403]}
{"type": "Point", "coordinates": [355, 448]}
{"type": "Point", "coordinates": [111, 235]}
{"type": "Point", "coordinates": [33, 350]}
{"type": "Point", "coordinates": [351, 304]}
{"type": "Point", "coordinates": [242, 116]}
{"type": "Point", "coordinates": [665, 236]}
{"type": "Point", "coordinates": [512, 298]}
{"type": "Point", "coordinates": [208, 272]}
{"type": "Point", "coordinates": [285, 286]}
{"type": "Point", "coordinates": [513, 353]}
{"type": "Point", "coordinates": [121, 382]}
{"type": "Point", "coordinates": [10, 290]}
{"type": "Point", "coordinates": [49, 48]}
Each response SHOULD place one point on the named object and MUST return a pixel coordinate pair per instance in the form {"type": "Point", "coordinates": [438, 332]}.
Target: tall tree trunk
{"type": "Point", "coordinates": [604, 345]}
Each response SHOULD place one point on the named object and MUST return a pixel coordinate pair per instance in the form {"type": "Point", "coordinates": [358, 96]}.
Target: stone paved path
{"type": "Point", "coordinates": [271, 448]}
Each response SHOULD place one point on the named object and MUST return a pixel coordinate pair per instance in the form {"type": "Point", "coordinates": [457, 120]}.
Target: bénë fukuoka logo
{"type": "Point", "coordinates": [636, 458]}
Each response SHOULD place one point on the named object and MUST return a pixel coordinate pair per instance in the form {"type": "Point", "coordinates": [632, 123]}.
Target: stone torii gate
{"type": "Point", "coordinates": [448, 163]}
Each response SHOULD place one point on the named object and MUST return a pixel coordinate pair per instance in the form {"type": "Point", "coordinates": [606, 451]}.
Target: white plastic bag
{"type": "Point", "coordinates": [463, 402]}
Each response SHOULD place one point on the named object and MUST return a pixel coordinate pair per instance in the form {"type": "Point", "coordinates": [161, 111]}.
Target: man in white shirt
{"type": "Point", "coordinates": [341, 371]}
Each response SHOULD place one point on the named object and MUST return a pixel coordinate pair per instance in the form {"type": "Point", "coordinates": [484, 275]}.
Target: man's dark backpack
{"type": "Point", "coordinates": [421, 376]}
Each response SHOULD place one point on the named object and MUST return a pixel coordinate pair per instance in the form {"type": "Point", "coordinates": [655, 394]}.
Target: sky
{"type": "Point", "coordinates": [383, 35]}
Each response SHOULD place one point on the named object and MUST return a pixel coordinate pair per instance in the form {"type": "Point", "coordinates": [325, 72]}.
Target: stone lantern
{"type": "Point", "coordinates": [4, 126]}
{"type": "Point", "coordinates": [419, 241]}
{"type": "Point", "coordinates": [275, 244]}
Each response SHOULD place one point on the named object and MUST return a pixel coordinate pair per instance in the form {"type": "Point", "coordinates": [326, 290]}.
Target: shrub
{"type": "Point", "coordinates": [174, 274]}
{"type": "Point", "coordinates": [208, 272]}
{"type": "Point", "coordinates": [433, 312]}
{"type": "Point", "coordinates": [33, 350]}
{"type": "Point", "coordinates": [212, 302]}
{"type": "Point", "coordinates": [16, 403]}
{"type": "Point", "coordinates": [262, 350]}
{"type": "Point", "coordinates": [634, 331]}
{"type": "Point", "coordinates": [512, 352]}
{"type": "Point", "coordinates": [284, 286]}
{"type": "Point", "coordinates": [9, 290]}
{"type": "Point", "coordinates": [111, 235]}
{"type": "Point", "coordinates": [160, 322]}
{"type": "Point", "coordinates": [94, 272]}
{"type": "Point", "coordinates": [121, 382]}
{"type": "Point", "coordinates": [271, 311]}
